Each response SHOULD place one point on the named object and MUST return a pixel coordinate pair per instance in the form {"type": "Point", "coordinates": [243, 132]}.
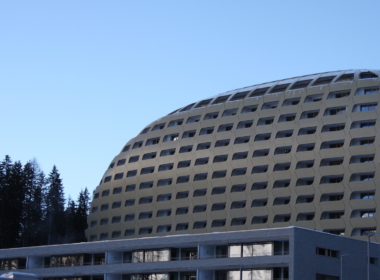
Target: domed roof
{"type": "Point", "coordinates": [254, 157]}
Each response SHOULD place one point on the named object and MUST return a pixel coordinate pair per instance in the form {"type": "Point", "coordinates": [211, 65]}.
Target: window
{"type": "Point", "coordinates": [145, 230]}
{"type": "Point", "coordinates": [238, 221]}
{"type": "Point", "coordinates": [259, 202]}
{"type": "Point", "coordinates": [291, 102]}
{"type": "Point", "coordinates": [94, 209]}
{"type": "Point", "coordinates": [261, 137]}
{"type": "Point", "coordinates": [105, 193]}
{"type": "Point", "coordinates": [238, 188]}
{"type": "Point", "coordinates": [147, 170]}
{"type": "Point", "coordinates": [306, 147]}
{"type": "Point", "coordinates": [129, 202]}
{"type": "Point", "coordinates": [371, 91]}
{"type": "Point", "coordinates": [307, 130]}
{"type": "Point", "coordinates": [265, 121]}
{"type": "Point", "coordinates": [201, 161]}
{"type": "Point", "coordinates": [332, 144]}
{"type": "Point", "coordinates": [332, 179]}
{"type": "Point", "coordinates": [283, 150]}
{"type": "Point", "coordinates": [186, 149]}
{"type": "Point", "coordinates": [281, 218]}
{"type": "Point", "coordinates": [111, 165]}
{"type": "Point", "coordinates": [279, 88]}
{"type": "Point", "coordinates": [137, 145]}
{"type": "Point", "coordinates": [239, 96]}
{"type": "Point", "coordinates": [301, 84]}
{"type": "Point", "coordinates": [281, 166]}
{"type": "Point", "coordinates": [367, 75]}
{"type": "Point", "coordinates": [281, 184]}
{"type": "Point", "coordinates": [269, 105]}
{"type": "Point", "coordinates": [104, 207]}
{"type": "Point", "coordinates": [168, 152]}
{"type": "Point", "coordinates": [184, 164]}
{"type": "Point", "coordinates": [129, 232]}
{"type": "Point", "coordinates": [218, 206]}
{"type": "Point", "coordinates": [333, 127]}
{"type": "Point", "coordinates": [362, 158]}
{"type": "Point", "coordinates": [104, 221]}
{"type": "Point", "coordinates": [309, 114]}
{"type": "Point", "coordinates": [116, 219]}
{"type": "Point", "coordinates": [327, 252]}
{"type": "Point", "coordinates": [203, 146]}
{"type": "Point", "coordinates": [96, 196]}
{"type": "Point", "coordinates": [219, 174]}
{"type": "Point", "coordinates": [323, 81]}
{"type": "Point", "coordinates": [313, 98]}
{"type": "Point", "coordinates": [225, 127]}
{"type": "Point", "coordinates": [182, 179]}
{"type": "Point", "coordinates": [363, 124]}
{"type": "Point", "coordinates": [305, 181]}
{"type": "Point", "coordinates": [284, 134]}
{"type": "Point", "coordinates": [211, 116]}
{"type": "Point", "coordinates": [206, 130]}
{"type": "Point", "coordinates": [159, 126]}
{"type": "Point", "coordinates": [245, 124]}
{"type": "Point", "coordinates": [117, 190]}
{"type": "Point", "coordinates": [133, 159]}
{"type": "Point", "coordinates": [200, 177]}
{"type": "Point", "coordinates": [259, 186]}
{"type": "Point", "coordinates": [338, 94]}
{"type": "Point", "coordinates": [146, 185]}
{"type": "Point", "coordinates": [238, 156]}
{"type": "Point", "coordinates": [164, 182]}
{"type": "Point", "coordinates": [152, 141]}
{"type": "Point", "coordinates": [145, 215]}
{"type": "Point", "coordinates": [130, 188]}
{"type": "Point", "coordinates": [230, 112]}
{"type": "Point", "coordinates": [164, 197]}
{"type": "Point", "coordinates": [121, 162]}
{"type": "Point", "coordinates": [187, 108]}
{"type": "Point", "coordinates": [218, 190]}
{"type": "Point", "coordinates": [368, 107]}
{"type": "Point", "coordinates": [259, 220]}
{"type": "Point", "coordinates": [221, 99]}
{"type": "Point", "coordinates": [199, 208]}
{"type": "Point", "coordinates": [287, 118]}
{"type": "Point", "coordinates": [241, 140]}
{"type": "Point", "coordinates": [146, 200]}
{"type": "Point", "coordinates": [249, 109]}
{"type": "Point", "coordinates": [220, 158]}
{"type": "Point", "coordinates": [118, 176]}
{"type": "Point", "coordinates": [171, 137]}
{"type": "Point", "coordinates": [175, 123]}
{"type": "Point", "coordinates": [238, 171]}
{"type": "Point", "coordinates": [199, 192]}
{"type": "Point", "coordinates": [259, 169]}
{"type": "Point", "coordinates": [148, 156]}
{"type": "Point", "coordinates": [331, 161]}
{"type": "Point", "coordinates": [260, 153]}
{"type": "Point", "coordinates": [345, 78]}
{"type": "Point", "coordinates": [126, 148]}
{"type": "Point", "coordinates": [203, 103]}
{"type": "Point", "coordinates": [164, 213]}
{"type": "Point", "coordinates": [193, 119]}
{"type": "Point", "coordinates": [259, 92]}
{"type": "Point", "coordinates": [199, 224]}
{"type": "Point", "coordinates": [182, 210]}
{"type": "Point", "coordinates": [335, 111]}
{"type": "Point", "coordinates": [116, 205]}
{"type": "Point", "coordinates": [188, 134]}
{"type": "Point", "coordinates": [145, 130]}
{"type": "Point", "coordinates": [362, 141]}
{"type": "Point", "coordinates": [220, 143]}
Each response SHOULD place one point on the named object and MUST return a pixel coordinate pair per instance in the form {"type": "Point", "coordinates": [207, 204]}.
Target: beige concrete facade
{"type": "Point", "coordinates": [300, 151]}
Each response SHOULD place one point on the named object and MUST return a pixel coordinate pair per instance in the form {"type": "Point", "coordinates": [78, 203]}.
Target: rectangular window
{"type": "Point", "coordinates": [368, 107]}
{"type": "Point", "coordinates": [327, 252]}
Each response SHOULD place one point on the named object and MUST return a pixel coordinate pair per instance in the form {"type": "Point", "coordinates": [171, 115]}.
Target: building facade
{"type": "Point", "coordinates": [269, 254]}
{"type": "Point", "coordinates": [295, 152]}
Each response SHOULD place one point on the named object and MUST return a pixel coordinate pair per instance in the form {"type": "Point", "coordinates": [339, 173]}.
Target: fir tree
{"type": "Point", "coordinates": [55, 202]}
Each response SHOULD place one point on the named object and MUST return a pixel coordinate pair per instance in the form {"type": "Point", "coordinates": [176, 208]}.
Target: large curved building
{"type": "Point", "coordinates": [300, 151]}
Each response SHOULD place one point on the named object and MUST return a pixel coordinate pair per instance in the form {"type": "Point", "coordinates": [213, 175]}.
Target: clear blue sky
{"type": "Point", "coordinates": [78, 79]}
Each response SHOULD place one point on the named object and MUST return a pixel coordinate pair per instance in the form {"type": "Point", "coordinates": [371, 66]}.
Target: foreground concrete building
{"type": "Point", "coordinates": [300, 151]}
{"type": "Point", "coordinates": [278, 254]}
